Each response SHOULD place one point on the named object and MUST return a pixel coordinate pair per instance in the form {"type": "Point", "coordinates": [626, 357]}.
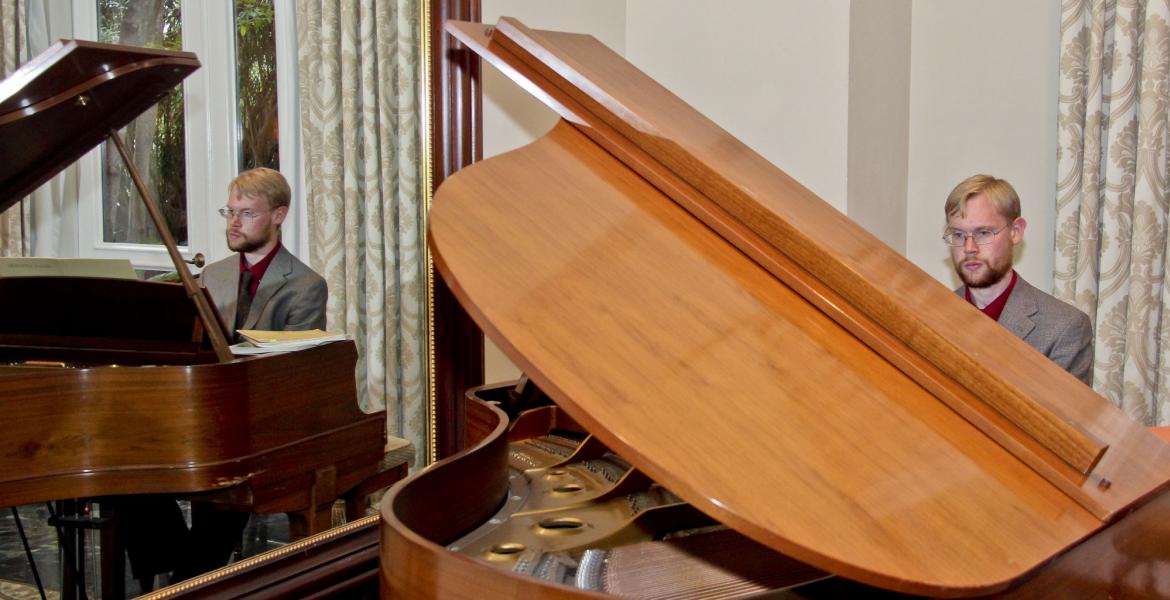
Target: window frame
{"type": "Point", "coordinates": [211, 132]}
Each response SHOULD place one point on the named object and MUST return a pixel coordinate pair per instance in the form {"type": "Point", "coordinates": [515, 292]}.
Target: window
{"type": "Point", "coordinates": [155, 140]}
{"type": "Point", "coordinates": [189, 146]}
{"type": "Point", "coordinates": [256, 77]}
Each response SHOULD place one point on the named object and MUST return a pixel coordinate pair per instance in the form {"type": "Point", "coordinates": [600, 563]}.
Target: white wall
{"type": "Point", "coordinates": [977, 95]}
{"type": "Point", "coordinates": [879, 113]}
{"type": "Point", "coordinates": [513, 118]}
{"type": "Point", "coordinates": [983, 100]}
{"type": "Point", "coordinates": [775, 74]}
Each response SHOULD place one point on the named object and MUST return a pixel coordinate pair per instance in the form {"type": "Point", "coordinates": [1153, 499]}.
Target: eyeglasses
{"type": "Point", "coordinates": [245, 215]}
{"type": "Point", "coordinates": [981, 236]}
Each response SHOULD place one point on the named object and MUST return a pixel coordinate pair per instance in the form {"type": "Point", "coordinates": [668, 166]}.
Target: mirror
{"type": "Point", "coordinates": [319, 483]}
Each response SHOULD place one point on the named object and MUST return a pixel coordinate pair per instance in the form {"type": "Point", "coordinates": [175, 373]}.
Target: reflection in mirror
{"type": "Point", "coordinates": [313, 422]}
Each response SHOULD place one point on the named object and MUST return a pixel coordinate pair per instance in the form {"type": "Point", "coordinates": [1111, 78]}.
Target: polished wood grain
{"type": "Point", "coordinates": [265, 423]}
{"type": "Point", "coordinates": [59, 105]}
{"type": "Point", "coordinates": [876, 294]}
{"type": "Point", "coordinates": [69, 99]}
{"type": "Point", "coordinates": [1127, 561]}
{"type": "Point", "coordinates": [680, 352]}
{"type": "Point", "coordinates": [736, 181]}
{"type": "Point", "coordinates": [339, 563]}
{"type": "Point", "coordinates": [688, 302]}
{"type": "Point", "coordinates": [422, 514]}
{"type": "Point", "coordinates": [982, 415]}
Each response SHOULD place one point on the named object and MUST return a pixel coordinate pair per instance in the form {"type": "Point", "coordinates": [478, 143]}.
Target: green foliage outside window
{"type": "Point", "coordinates": [155, 140]}
{"type": "Point", "coordinates": [256, 64]}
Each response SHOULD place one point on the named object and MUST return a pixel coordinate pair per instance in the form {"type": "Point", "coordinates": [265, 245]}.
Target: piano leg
{"type": "Point", "coordinates": [318, 516]}
{"type": "Point", "coordinates": [73, 518]}
{"type": "Point", "coordinates": [113, 556]}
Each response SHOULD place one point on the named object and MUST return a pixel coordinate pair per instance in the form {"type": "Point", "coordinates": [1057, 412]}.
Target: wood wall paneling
{"type": "Point", "coordinates": [457, 130]}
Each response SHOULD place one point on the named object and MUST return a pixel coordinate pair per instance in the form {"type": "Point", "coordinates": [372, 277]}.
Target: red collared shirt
{"type": "Point", "coordinates": [995, 307]}
{"type": "Point", "coordinates": [258, 269]}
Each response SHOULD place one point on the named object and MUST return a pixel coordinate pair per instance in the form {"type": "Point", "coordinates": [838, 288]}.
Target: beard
{"type": "Point", "coordinates": [989, 275]}
{"type": "Point", "coordinates": [246, 243]}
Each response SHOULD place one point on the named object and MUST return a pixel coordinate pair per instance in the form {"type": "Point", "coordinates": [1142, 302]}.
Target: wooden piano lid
{"type": "Point", "coordinates": [70, 98]}
{"type": "Point", "coordinates": [64, 102]}
{"type": "Point", "coordinates": [762, 356]}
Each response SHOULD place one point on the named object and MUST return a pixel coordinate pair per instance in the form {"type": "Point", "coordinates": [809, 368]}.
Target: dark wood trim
{"type": "Point", "coordinates": [337, 563]}
{"type": "Point", "coordinates": [457, 131]}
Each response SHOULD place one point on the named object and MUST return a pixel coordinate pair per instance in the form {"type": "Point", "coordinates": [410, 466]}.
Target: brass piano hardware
{"type": "Point", "coordinates": [504, 551]}
{"type": "Point", "coordinates": [83, 100]}
{"type": "Point", "coordinates": [42, 363]}
{"type": "Point", "coordinates": [559, 526]}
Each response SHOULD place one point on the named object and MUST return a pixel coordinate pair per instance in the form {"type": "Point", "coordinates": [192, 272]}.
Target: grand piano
{"type": "Point", "coordinates": [113, 387]}
{"type": "Point", "coordinates": [733, 390]}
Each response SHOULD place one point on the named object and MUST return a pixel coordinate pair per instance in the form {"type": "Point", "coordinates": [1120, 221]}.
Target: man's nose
{"type": "Point", "coordinates": [969, 245]}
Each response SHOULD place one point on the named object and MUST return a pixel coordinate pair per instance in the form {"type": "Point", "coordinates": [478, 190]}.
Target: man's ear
{"type": "Point", "coordinates": [1018, 227]}
{"type": "Point", "coordinates": [279, 214]}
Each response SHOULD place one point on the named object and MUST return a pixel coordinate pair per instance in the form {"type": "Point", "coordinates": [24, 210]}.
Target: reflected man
{"type": "Point", "coordinates": [263, 286]}
{"type": "Point", "coordinates": [266, 287]}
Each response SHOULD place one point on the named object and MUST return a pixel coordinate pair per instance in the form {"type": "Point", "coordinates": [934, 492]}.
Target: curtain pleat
{"type": "Point", "coordinates": [359, 68]}
{"type": "Point", "coordinates": [14, 225]}
{"type": "Point", "coordinates": [1111, 205]}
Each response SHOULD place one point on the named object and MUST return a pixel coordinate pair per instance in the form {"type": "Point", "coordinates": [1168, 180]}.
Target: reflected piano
{"type": "Point", "coordinates": [128, 387]}
{"type": "Point", "coordinates": [750, 394]}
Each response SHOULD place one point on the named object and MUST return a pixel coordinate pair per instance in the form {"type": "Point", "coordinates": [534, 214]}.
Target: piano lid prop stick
{"type": "Point", "coordinates": [218, 340]}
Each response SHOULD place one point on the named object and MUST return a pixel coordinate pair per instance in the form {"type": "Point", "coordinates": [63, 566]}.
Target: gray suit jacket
{"type": "Point", "coordinates": [1058, 330]}
{"type": "Point", "coordinates": [291, 296]}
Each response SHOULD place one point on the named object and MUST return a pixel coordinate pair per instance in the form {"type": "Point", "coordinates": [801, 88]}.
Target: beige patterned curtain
{"type": "Point", "coordinates": [14, 225]}
{"type": "Point", "coordinates": [359, 67]}
{"type": "Point", "coordinates": [1112, 193]}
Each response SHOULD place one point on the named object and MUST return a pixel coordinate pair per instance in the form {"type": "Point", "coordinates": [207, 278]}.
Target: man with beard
{"type": "Point", "coordinates": [265, 287]}
{"type": "Point", "coordinates": [261, 286]}
{"type": "Point", "coordinates": [983, 227]}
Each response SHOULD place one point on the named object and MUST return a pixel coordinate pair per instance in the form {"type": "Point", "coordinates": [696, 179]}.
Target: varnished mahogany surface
{"type": "Point", "coordinates": [423, 513]}
{"type": "Point", "coordinates": [265, 422]}
{"type": "Point", "coordinates": [96, 321]}
{"type": "Point", "coordinates": [59, 105]}
{"type": "Point", "coordinates": [1125, 561]}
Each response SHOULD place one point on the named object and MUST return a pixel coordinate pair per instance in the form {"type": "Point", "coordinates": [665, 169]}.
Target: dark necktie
{"type": "Point", "coordinates": [244, 301]}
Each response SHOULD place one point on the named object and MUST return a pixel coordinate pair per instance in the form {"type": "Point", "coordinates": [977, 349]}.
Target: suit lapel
{"type": "Point", "coordinates": [223, 284]}
{"type": "Point", "coordinates": [1020, 308]}
{"type": "Point", "coordinates": [274, 279]}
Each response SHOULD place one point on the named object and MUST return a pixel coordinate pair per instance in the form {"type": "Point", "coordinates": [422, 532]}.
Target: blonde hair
{"type": "Point", "coordinates": [264, 182]}
{"type": "Point", "coordinates": [1001, 194]}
